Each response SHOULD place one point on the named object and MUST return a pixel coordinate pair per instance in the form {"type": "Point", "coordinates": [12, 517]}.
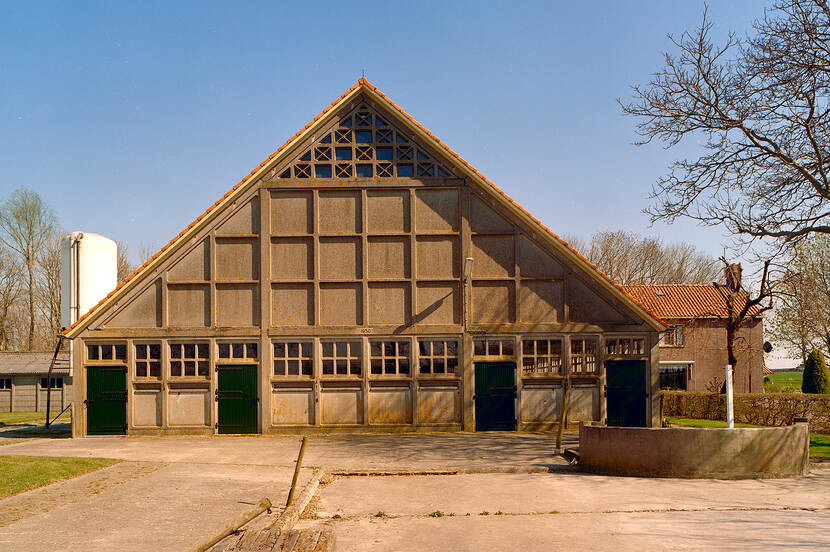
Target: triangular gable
{"type": "Point", "coordinates": [408, 125]}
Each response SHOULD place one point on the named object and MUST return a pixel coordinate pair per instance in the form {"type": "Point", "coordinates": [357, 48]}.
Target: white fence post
{"type": "Point", "coordinates": [730, 410]}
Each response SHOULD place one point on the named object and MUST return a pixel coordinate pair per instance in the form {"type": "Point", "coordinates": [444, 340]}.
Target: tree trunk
{"type": "Point", "coordinates": [30, 340]}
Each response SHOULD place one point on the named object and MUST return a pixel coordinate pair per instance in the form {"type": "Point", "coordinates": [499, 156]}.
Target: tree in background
{"type": "Point", "coordinates": [629, 258]}
{"type": "Point", "coordinates": [760, 107]}
{"type": "Point", "coordinates": [802, 319]}
{"type": "Point", "coordinates": [27, 225]}
{"type": "Point", "coordinates": [49, 288]}
{"type": "Point", "coordinates": [10, 276]}
{"type": "Point", "coordinates": [816, 378]}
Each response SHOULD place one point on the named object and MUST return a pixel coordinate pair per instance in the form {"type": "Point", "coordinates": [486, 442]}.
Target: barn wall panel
{"type": "Point", "coordinates": [147, 407]}
{"type": "Point", "coordinates": [439, 404]}
{"type": "Point", "coordinates": [292, 406]}
{"type": "Point", "coordinates": [390, 405]}
{"type": "Point", "coordinates": [188, 406]}
{"type": "Point", "coordinates": [342, 405]}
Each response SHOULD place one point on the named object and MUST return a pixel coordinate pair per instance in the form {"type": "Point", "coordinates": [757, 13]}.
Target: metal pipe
{"type": "Point", "coordinates": [730, 410]}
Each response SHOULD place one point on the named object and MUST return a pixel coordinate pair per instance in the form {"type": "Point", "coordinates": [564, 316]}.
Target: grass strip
{"type": "Point", "coordinates": [21, 473]}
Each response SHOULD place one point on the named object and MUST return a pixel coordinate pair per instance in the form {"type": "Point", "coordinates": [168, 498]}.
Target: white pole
{"type": "Point", "coordinates": [730, 410]}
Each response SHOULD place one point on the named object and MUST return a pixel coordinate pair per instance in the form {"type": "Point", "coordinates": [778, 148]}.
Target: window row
{"type": "Point", "coordinates": [365, 170]}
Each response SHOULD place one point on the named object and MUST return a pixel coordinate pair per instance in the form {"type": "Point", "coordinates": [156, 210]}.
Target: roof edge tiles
{"type": "Point", "coordinates": [362, 84]}
{"type": "Point", "coordinates": [685, 301]}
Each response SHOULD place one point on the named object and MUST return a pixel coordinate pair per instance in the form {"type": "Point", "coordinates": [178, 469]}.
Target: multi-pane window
{"type": "Point", "coordinates": [365, 145]}
{"type": "Point", "coordinates": [238, 351]}
{"type": "Point", "coordinates": [148, 360]}
{"type": "Point", "coordinates": [293, 358]}
{"type": "Point", "coordinates": [541, 356]}
{"type": "Point", "coordinates": [56, 383]}
{"type": "Point", "coordinates": [389, 357]}
{"type": "Point", "coordinates": [673, 337]}
{"type": "Point", "coordinates": [5, 383]}
{"type": "Point", "coordinates": [438, 356]}
{"type": "Point", "coordinates": [341, 358]}
{"type": "Point", "coordinates": [583, 355]}
{"type": "Point", "coordinates": [622, 346]}
{"type": "Point", "coordinates": [189, 359]}
{"type": "Point", "coordinates": [106, 351]}
{"type": "Point", "coordinates": [493, 347]}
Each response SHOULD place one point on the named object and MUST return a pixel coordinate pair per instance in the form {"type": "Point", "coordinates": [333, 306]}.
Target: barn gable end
{"type": "Point", "coordinates": [338, 268]}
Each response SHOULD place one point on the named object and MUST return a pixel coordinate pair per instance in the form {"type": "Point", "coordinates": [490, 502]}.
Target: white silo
{"type": "Point", "coordinates": [89, 271]}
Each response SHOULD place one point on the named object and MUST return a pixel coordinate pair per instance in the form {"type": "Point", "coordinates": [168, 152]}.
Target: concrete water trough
{"type": "Point", "coordinates": [723, 453]}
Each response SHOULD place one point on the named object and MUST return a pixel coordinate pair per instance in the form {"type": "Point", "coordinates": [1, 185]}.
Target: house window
{"type": "Point", "coordinates": [674, 376]}
{"type": "Point", "coordinates": [493, 347]}
{"type": "Point", "coordinates": [238, 351]}
{"type": "Point", "coordinates": [189, 360]}
{"type": "Point", "coordinates": [293, 358]}
{"type": "Point", "coordinates": [5, 383]}
{"type": "Point", "coordinates": [438, 356]}
{"type": "Point", "coordinates": [625, 346]}
{"type": "Point", "coordinates": [148, 360]}
{"type": "Point", "coordinates": [673, 337]}
{"type": "Point", "coordinates": [106, 352]}
{"type": "Point", "coordinates": [341, 358]}
{"type": "Point", "coordinates": [541, 356]}
{"type": "Point", "coordinates": [583, 355]}
{"type": "Point", "coordinates": [56, 383]}
{"type": "Point", "coordinates": [389, 357]}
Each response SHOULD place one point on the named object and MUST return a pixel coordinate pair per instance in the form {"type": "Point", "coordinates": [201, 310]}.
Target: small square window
{"type": "Point", "coordinates": [343, 154]}
{"type": "Point", "coordinates": [363, 136]}
{"type": "Point", "coordinates": [405, 170]}
{"type": "Point", "coordinates": [364, 171]}
{"type": "Point", "coordinates": [322, 171]}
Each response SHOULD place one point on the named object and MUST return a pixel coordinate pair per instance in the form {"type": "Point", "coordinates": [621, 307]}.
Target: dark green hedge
{"type": "Point", "coordinates": [770, 409]}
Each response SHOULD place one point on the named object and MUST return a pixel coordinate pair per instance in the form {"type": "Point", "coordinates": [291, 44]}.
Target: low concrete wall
{"type": "Point", "coordinates": [695, 452]}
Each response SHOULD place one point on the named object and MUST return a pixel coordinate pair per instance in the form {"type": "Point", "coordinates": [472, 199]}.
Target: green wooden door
{"type": "Point", "coordinates": [106, 400]}
{"type": "Point", "coordinates": [495, 396]}
{"type": "Point", "coordinates": [237, 397]}
{"type": "Point", "coordinates": [626, 392]}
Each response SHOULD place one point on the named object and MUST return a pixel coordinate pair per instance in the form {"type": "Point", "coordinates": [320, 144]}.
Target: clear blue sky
{"type": "Point", "coordinates": [131, 118]}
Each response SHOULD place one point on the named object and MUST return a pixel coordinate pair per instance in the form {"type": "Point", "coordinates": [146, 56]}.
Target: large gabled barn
{"type": "Point", "coordinates": [331, 289]}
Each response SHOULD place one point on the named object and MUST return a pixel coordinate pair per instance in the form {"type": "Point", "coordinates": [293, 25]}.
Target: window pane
{"type": "Point", "coordinates": [479, 347]}
{"type": "Point", "coordinates": [141, 352]}
{"type": "Point", "coordinates": [203, 350]}
{"type": "Point", "coordinates": [493, 348]}
{"type": "Point", "coordinates": [328, 349]}
{"type": "Point", "coordinates": [155, 369]}
{"type": "Point", "coordinates": [452, 365]}
{"type": "Point", "coordinates": [423, 365]}
{"type": "Point", "coordinates": [389, 366]}
{"type": "Point", "coordinates": [342, 366]}
{"type": "Point", "coordinates": [424, 348]}
{"type": "Point", "coordinates": [189, 350]}
{"type": "Point", "coordinates": [121, 352]}
{"type": "Point", "coordinates": [452, 348]}
{"type": "Point", "coordinates": [307, 367]}
{"type": "Point", "coordinates": [354, 348]}
{"type": "Point", "coordinates": [224, 350]}
{"type": "Point", "coordinates": [377, 366]}
{"type": "Point", "coordinates": [507, 348]}
{"type": "Point", "coordinates": [251, 350]}
{"type": "Point", "coordinates": [141, 369]}
{"type": "Point", "coordinates": [279, 350]}
{"type": "Point", "coordinates": [438, 366]}
{"type": "Point", "coordinates": [342, 349]}
{"type": "Point", "coordinates": [176, 368]}
{"type": "Point", "coordinates": [190, 368]}
{"type": "Point", "coordinates": [293, 367]}
{"type": "Point", "coordinates": [328, 367]}
{"type": "Point", "coordinates": [403, 366]}
{"type": "Point", "coordinates": [92, 352]}
{"type": "Point", "coordinates": [106, 352]}
{"type": "Point", "coordinates": [306, 349]}
{"type": "Point", "coordinates": [203, 368]}
{"type": "Point", "coordinates": [279, 367]}
{"type": "Point", "coordinates": [155, 351]}
{"type": "Point", "coordinates": [238, 350]}
{"type": "Point", "coordinates": [389, 348]}
{"type": "Point", "coordinates": [355, 367]}
{"type": "Point", "coordinates": [403, 348]}
{"type": "Point", "coordinates": [293, 350]}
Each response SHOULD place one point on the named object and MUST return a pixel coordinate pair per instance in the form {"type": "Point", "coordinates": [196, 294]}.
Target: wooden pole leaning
{"type": "Point", "coordinates": [235, 525]}
{"type": "Point", "coordinates": [296, 472]}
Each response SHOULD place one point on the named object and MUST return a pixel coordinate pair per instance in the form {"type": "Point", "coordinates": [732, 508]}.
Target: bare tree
{"type": "Point", "coordinates": [760, 107]}
{"type": "Point", "coordinates": [124, 267]}
{"type": "Point", "coordinates": [9, 292]}
{"type": "Point", "coordinates": [26, 226]}
{"type": "Point", "coordinates": [49, 289]}
{"type": "Point", "coordinates": [740, 304]}
{"type": "Point", "coordinates": [802, 320]}
{"type": "Point", "coordinates": [629, 258]}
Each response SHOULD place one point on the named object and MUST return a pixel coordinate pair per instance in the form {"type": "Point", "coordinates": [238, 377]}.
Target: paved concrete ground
{"type": "Point", "coordinates": [470, 451]}
{"type": "Point", "coordinates": [592, 513]}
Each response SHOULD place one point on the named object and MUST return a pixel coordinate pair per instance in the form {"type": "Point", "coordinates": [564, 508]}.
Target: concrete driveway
{"type": "Point", "coordinates": [574, 512]}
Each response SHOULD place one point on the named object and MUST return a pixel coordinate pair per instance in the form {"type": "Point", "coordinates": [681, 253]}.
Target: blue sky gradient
{"type": "Point", "coordinates": [131, 118]}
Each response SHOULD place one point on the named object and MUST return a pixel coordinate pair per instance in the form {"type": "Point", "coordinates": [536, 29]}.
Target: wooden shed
{"type": "Point", "coordinates": [364, 277]}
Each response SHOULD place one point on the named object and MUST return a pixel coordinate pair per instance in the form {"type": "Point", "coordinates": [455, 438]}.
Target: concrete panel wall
{"type": "Point", "coordinates": [439, 403]}
{"type": "Point", "coordinates": [147, 407]}
{"type": "Point", "coordinates": [292, 406]}
{"type": "Point", "coordinates": [390, 405]}
{"type": "Point", "coordinates": [540, 403]}
{"type": "Point", "coordinates": [341, 405]}
{"type": "Point", "coordinates": [188, 406]}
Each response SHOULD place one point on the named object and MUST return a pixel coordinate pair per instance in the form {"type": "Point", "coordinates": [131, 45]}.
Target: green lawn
{"type": "Point", "coordinates": [30, 418]}
{"type": "Point", "coordinates": [819, 443]}
{"type": "Point", "coordinates": [792, 378]}
{"type": "Point", "coordinates": [21, 473]}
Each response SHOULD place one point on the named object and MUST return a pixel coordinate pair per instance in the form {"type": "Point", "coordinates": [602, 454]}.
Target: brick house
{"type": "Point", "coordinates": [693, 350]}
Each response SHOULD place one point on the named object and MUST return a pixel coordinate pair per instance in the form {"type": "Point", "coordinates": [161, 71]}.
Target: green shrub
{"type": "Point", "coordinates": [767, 409]}
{"type": "Point", "coordinates": [816, 378]}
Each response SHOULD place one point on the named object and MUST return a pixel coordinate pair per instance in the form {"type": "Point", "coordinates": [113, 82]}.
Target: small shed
{"type": "Point", "coordinates": [24, 380]}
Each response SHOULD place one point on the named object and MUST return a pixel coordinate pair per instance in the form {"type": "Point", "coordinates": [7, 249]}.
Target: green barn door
{"type": "Point", "coordinates": [237, 397]}
{"type": "Point", "coordinates": [106, 400]}
{"type": "Point", "coordinates": [626, 392]}
{"type": "Point", "coordinates": [495, 396]}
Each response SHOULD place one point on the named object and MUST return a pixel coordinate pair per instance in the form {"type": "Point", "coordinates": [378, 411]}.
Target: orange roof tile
{"type": "Point", "coordinates": [670, 301]}
{"type": "Point", "coordinates": [362, 82]}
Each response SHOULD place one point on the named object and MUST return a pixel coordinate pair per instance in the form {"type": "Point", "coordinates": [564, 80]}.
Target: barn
{"type": "Point", "coordinates": [364, 277]}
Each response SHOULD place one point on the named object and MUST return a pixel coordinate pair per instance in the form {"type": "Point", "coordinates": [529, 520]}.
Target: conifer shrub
{"type": "Point", "coordinates": [816, 378]}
